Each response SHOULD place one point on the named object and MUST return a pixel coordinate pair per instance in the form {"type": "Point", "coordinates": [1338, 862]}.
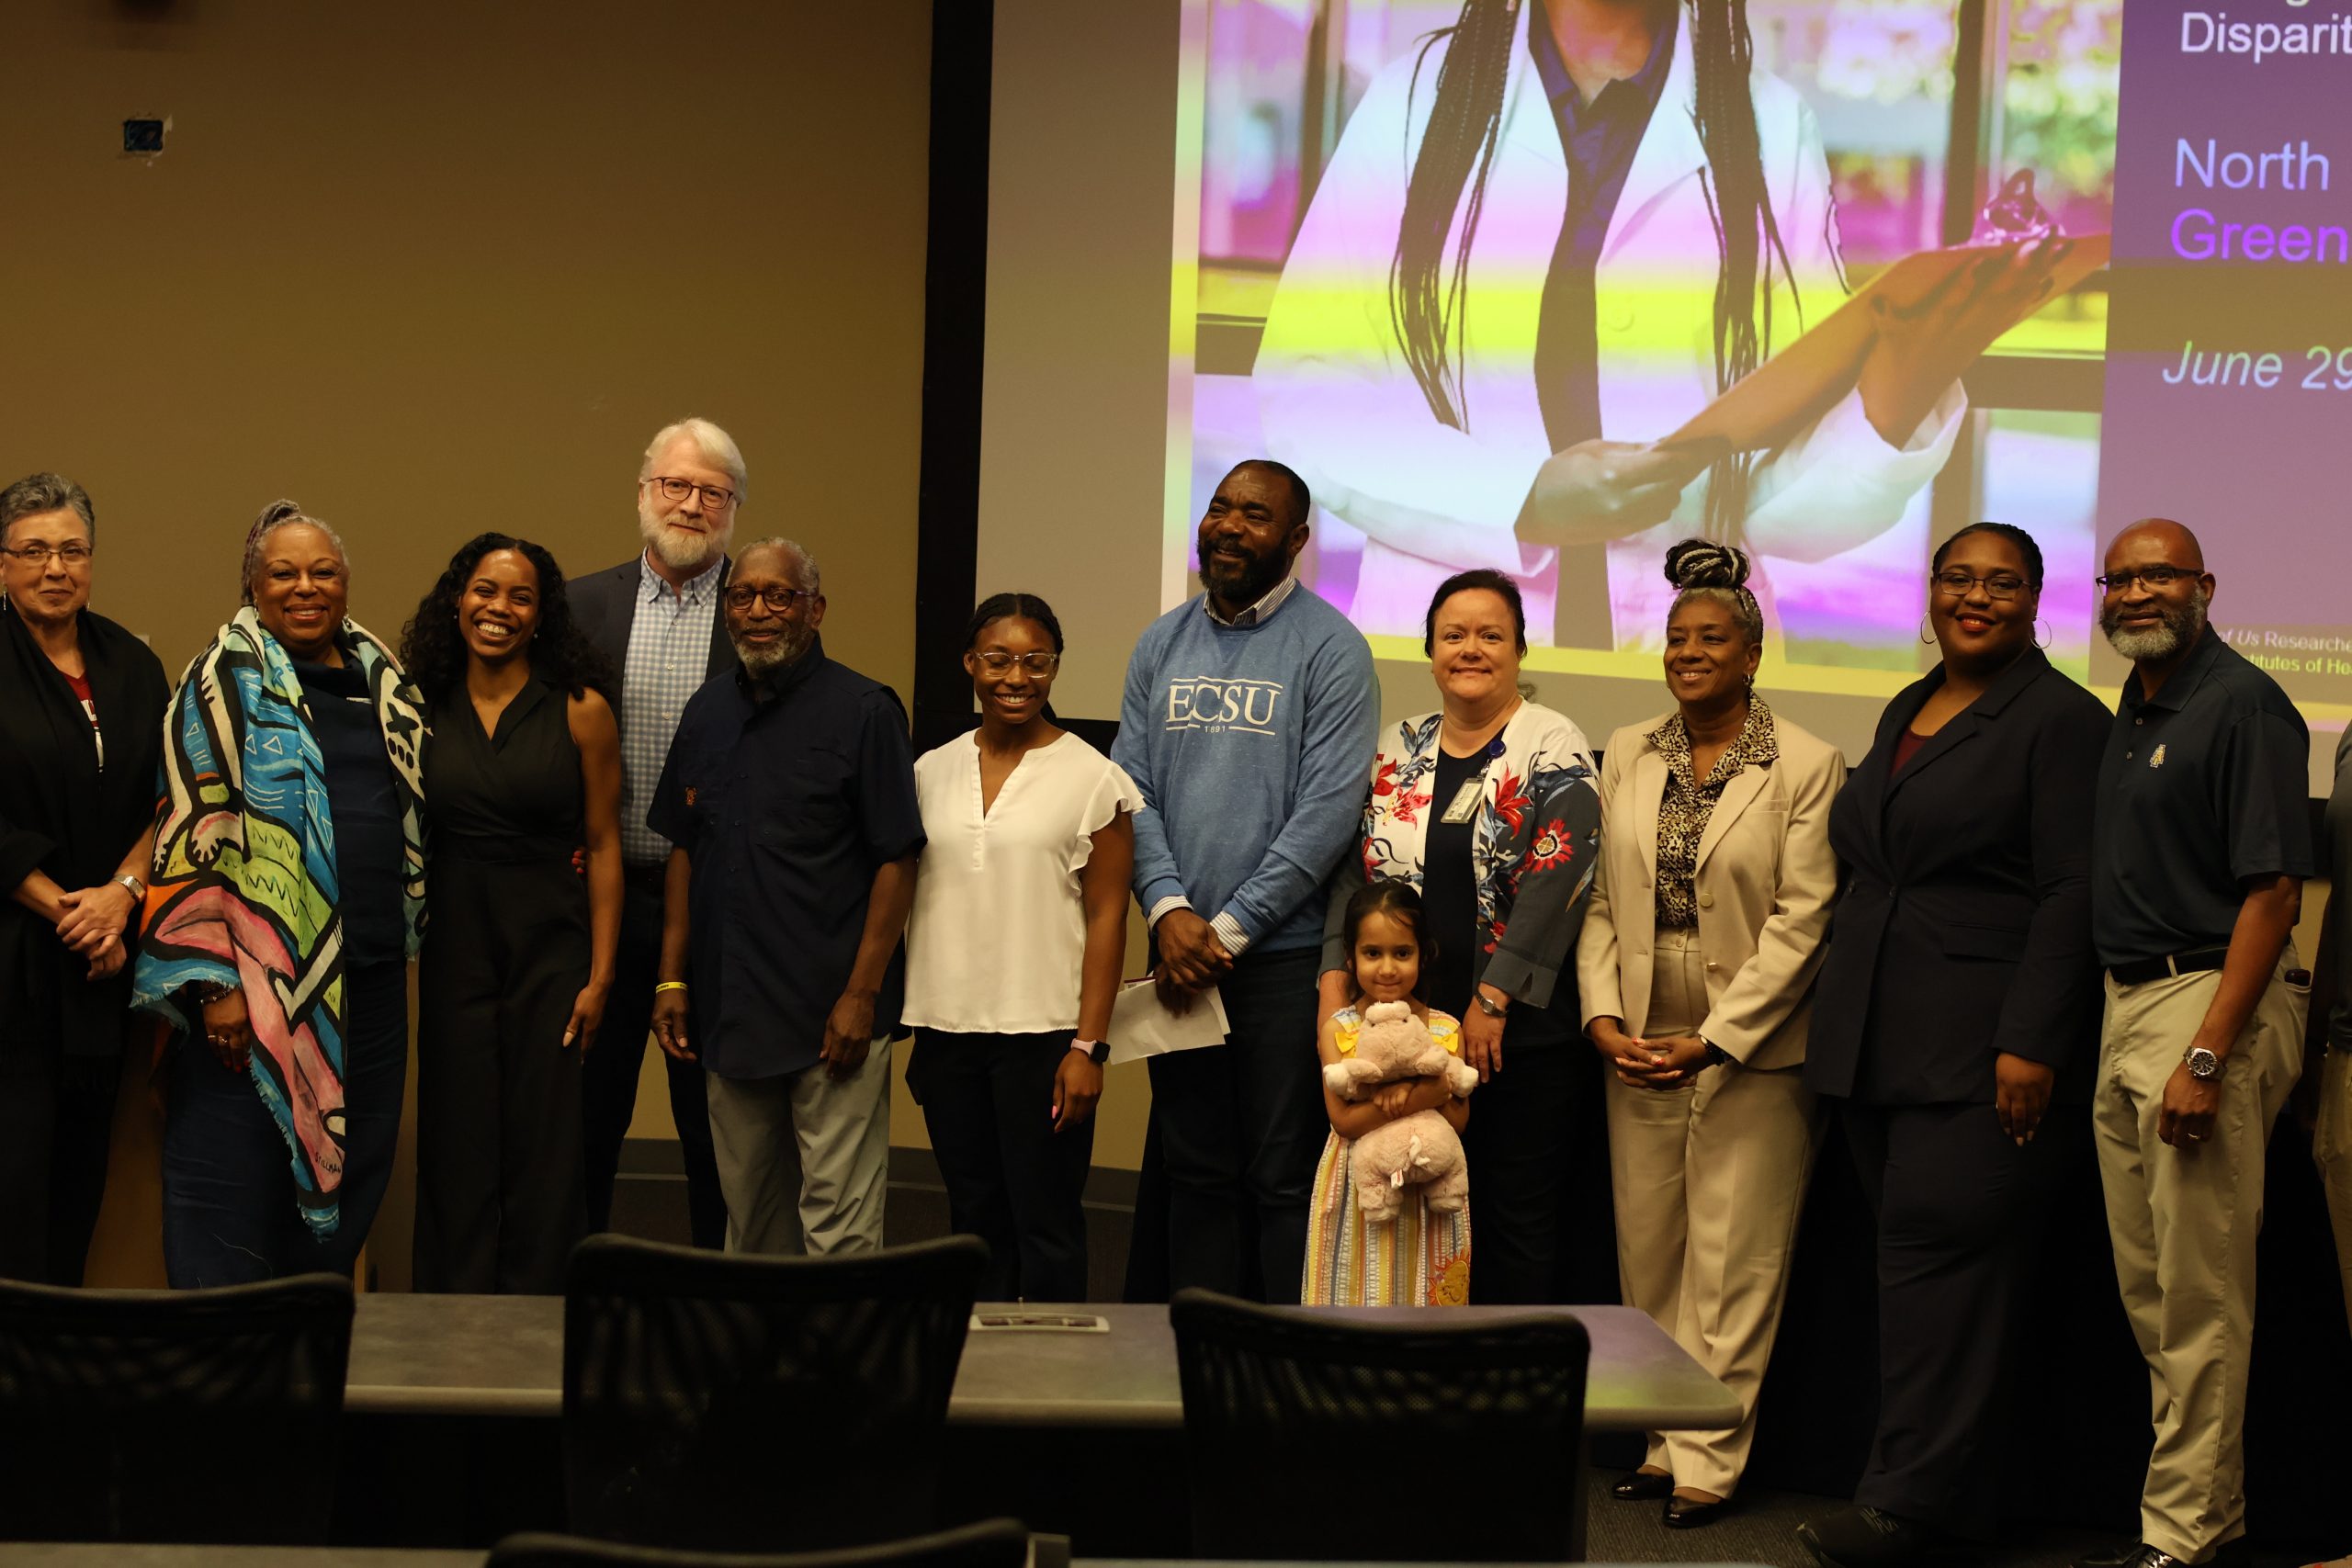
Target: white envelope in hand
{"type": "Point", "coordinates": [1140, 1027]}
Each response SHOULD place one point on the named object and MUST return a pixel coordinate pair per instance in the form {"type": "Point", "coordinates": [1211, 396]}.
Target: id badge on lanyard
{"type": "Point", "coordinates": [1465, 802]}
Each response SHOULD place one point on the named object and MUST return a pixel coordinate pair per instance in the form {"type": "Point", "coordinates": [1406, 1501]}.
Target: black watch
{"type": "Point", "coordinates": [1716, 1055]}
{"type": "Point", "coordinates": [1097, 1051]}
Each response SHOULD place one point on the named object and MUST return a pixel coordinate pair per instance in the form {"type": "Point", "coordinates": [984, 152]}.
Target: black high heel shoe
{"type": "Point", "coordinates": [1641, 1487]}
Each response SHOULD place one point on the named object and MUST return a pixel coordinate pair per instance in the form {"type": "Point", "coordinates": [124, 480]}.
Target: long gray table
{"type": "Point", "coordinates": [38, 1554]}
{"type": "Point", "coordinates": [504, 1356]}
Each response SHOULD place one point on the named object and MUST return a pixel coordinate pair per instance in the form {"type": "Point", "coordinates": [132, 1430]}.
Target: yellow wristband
{"type": "Point", "coordinates": [669, 986]}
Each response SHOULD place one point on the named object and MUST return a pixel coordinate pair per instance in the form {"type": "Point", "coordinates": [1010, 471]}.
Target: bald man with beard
{"type": "Point", "coordinates": [2199, 849]}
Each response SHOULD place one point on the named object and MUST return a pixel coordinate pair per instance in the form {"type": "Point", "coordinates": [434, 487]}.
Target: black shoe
{"type": "Point", "coordinates": [1640, 1487]}
{"type": "Point", "coordinates": [2119, 1555]}
{"type": "Point", "coordinates": [1871, 1538]}
{"type": "Point", "coordinates": [1692, 1513]}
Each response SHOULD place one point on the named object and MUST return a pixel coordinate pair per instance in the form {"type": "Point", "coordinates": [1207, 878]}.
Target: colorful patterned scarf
{"type": "Point", "coordinates": [244, 880]}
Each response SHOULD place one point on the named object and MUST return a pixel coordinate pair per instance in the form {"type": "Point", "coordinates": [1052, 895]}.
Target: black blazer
{"type": "Point", "coordinates": [1963, 926]}
{"type": "Point", "coordinates": [604, 605]}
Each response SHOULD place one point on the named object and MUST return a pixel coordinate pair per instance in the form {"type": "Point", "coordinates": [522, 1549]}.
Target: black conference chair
{"type": "Point", "coordinates": [734, 1404]}
{"type": "Point", "coordinates": [994, 1544]}
{"type": "Point", "coordinates": [1288, 1410]}
{"type": "Point", "coordinates": [204, 1417]}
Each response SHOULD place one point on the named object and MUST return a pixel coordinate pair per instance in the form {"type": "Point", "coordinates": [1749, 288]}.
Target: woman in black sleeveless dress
{"type": "Point", "coordinates": [525, 768]}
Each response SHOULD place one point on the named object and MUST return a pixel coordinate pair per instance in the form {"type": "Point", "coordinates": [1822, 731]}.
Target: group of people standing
{"type": "Point", "coordinates": [646, 801]}
{"type": "Point", "coordinates": [2021, 920]}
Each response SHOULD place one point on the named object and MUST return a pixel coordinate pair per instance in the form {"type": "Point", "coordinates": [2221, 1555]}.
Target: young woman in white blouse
{"type": "Point", "coordinates": [1014, 949]}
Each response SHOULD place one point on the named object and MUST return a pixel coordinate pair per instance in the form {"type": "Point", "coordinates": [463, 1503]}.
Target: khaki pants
{"type": "Point", "coordinates": [2183, 1221]}
{"type": "Point", "coordinates": [2332, 1149]}
{"type": "Point", "coordinates": [803, 1159]}
{"type": "Point", "coordinates": [1708, 1183]}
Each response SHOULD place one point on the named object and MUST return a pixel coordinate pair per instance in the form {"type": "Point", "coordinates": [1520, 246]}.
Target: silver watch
{"type": "Point", "coordinates": [2202, 1064]}
{"type": "Point", "coordinates": [129, 882]}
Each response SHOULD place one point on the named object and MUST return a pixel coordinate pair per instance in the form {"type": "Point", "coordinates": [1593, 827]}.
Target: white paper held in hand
{"type": "Point", "coordinates": [1140, 1027]}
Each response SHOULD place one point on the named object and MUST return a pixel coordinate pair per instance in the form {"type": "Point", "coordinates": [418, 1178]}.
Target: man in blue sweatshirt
{"type": "Point", "coordinates": [1249, 723]}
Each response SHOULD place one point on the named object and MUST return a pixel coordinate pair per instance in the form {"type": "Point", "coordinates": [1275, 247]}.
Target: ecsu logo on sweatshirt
{"type": "Point", "coordinates": [1217, 703]}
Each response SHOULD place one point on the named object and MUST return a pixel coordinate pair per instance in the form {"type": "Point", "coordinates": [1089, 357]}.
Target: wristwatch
{"type": "Point", "coordinates": [1487, 1005]}
{"type": "Point", "coordinates": [1097, 1051]}
{"type": "Point", "coordinates": [1716, 1055]}
{"type": "Point", "coordinates": [129, 882]}
{"type": "Point", "coordinates": [2202, 1064]}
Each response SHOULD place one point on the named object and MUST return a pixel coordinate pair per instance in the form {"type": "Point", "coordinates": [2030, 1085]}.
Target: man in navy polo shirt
{"type": "Point", "coordinates": [789, 797]}
{"type": "Point", "coordinates": [2198, 859]}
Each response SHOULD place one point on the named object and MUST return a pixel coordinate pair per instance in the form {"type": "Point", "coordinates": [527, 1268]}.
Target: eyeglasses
{"type": "Point", "coordinates": [1957, 584]}
{"type": "Point", "coordinates": [780, 600]}
{"type": "Point", "coordinates": [997, 663]}
{"type": "Point", "coordinates": [678, 490]}
{"type": "Point", "coordinates": [2158, 577]}
{"type": "Point", "coordinates": [72, 555]}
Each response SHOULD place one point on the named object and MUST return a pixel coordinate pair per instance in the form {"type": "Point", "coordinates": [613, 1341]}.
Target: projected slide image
{"type": "Point", "coordinates": [1469, 273]}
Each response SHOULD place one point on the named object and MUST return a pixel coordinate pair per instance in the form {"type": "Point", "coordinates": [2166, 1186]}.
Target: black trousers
{"type": "Point", "coordinates": [1011, 1179]}
{"type": "Point", "coordinates": [1241, 1128]}
{"type": "Point", "coordinates": [1537, 1144]}
{"type": "Point", "coordinates": [608, 1079]}
{"type": "Point", "coordinates": [55, 1120]}
{"type": "Point", "coordinates": [229, 1210]}
{"type": "Point", "coordinates": [500, 1194]}
{"type": "Point", "coordinates": [1960, 1213]}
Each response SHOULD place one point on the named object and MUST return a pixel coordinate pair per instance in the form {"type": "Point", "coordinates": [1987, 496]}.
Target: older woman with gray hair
{"type": "Point", "coordinates": [1695, 965]}
{"type": "Point", "coordinates": [80, 719]}
{"type": "Point", "coordinates": [288, 898]}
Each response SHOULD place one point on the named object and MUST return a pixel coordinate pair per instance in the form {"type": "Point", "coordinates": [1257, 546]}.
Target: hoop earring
{"type": "Point", "coordinates": [2048, 638]}
{"type": "Point", "coordinates": [1927, 638]}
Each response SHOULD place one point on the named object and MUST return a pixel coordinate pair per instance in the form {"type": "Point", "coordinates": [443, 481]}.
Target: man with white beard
{"type": "Point", "coordinates": [2199, 853]}
{"type": "Point", "coordinates": [656, 618]}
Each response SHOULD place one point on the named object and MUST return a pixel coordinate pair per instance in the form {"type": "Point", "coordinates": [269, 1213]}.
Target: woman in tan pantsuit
{"type": "Point", "coordinates": [1695, 966]}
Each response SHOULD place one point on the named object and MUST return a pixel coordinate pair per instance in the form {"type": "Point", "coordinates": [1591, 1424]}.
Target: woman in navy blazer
{"type": "Point", "coordinates": [1959, 994]}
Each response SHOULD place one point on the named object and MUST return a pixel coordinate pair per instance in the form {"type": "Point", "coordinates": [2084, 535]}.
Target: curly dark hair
{"type": "Point", "coordinates": [435, 655]}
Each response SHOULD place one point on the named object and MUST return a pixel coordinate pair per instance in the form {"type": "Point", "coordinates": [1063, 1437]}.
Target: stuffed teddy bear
{"type": "Point", "coordinates": [1392, 1046]}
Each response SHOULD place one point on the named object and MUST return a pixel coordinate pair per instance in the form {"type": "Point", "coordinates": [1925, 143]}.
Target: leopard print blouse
{"type": "Point", "coordinates": [1688, 803]}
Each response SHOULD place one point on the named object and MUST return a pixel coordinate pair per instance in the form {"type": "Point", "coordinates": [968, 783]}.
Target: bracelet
{"type": "Point", "coordinates": [209, 991]}
{"type": "Point", "coordinates": [669, 986]}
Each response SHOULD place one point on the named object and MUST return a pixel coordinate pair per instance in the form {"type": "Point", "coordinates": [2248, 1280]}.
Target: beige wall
{"type": "Point", "coordinates": [438, 267]}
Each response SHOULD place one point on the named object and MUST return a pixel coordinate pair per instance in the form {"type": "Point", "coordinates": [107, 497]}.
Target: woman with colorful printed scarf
{"type": "Point", "coordinates": [288, 896]}
{"type": "Point", "coordinates": [1487, 808]}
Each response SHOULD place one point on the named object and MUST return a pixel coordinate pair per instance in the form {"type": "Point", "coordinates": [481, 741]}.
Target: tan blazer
{"type": "Point", "coordinates": [1765, 881]}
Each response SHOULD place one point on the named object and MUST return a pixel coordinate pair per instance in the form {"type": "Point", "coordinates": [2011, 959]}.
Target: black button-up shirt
{"type": "Point", "coordinates": [1598, 140]}
{"type": "Point", "coordinates": [2203, 785]}
{"type": "Point", "coordinates": [787, 793]}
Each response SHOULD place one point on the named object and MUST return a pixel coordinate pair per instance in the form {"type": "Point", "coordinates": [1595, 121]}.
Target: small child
{"type": "Point", "coordinates": [1416, 1258]}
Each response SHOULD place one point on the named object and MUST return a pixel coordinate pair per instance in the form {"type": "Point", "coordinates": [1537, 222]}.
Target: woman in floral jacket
{"type": "Point", "coordinates": [1489, 807]}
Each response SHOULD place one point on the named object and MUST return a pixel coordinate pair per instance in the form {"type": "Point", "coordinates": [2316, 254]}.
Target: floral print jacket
{"type": "Point", "coordinates": [1534, 846]}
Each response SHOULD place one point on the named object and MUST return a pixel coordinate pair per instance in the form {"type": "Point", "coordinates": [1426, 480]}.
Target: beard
{"type": "Point", "coordinates": [1246, 584]}
{"type": "Point", "coordinates": [759, 662]}
{"type": "Point", "coordinates": [2180, 627]}
{"type": "Point", "coordinates": [680, 549]}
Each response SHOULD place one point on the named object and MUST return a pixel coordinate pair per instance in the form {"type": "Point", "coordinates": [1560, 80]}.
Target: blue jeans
{"type": "Point", "coordinates": [229, 1211]}
{"type": "Point", "coordinates": [1242, 1126]}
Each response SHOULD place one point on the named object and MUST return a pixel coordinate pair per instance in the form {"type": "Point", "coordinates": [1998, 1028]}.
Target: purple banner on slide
{"type": "Point", "coordinates": [2229, 369]}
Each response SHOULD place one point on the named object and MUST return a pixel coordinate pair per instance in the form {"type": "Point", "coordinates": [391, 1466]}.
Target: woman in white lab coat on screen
{"type": "Point", "coordinates": [1468, 367]}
